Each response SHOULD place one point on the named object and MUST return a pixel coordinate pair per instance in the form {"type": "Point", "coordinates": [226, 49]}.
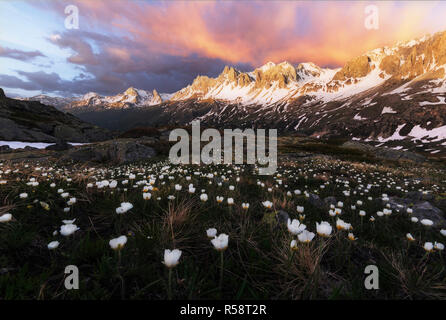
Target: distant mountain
{"type": "Point", "coordinates": [129, 99]}
{"type": "Point", "coordinates": [33, 121]}
{"type": "Point", "coordinates": [57, 102]}
{"type": "Point", "coordinates": [93, 101]}
{"type": "Point", "coordinates": [391, 95]}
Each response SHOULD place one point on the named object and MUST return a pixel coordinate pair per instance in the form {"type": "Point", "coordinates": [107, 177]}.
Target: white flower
{"type": "Point", "coordinates": [414, 219]}
{"type": "Point", "coordinates": [146, 195]}
{"type": "Point", "coordinates": [245, 206]}
{"type": "Point", "coordinates": [118, 243]}
{"type": "Point", "coordinates": [379, 213]}
{"type": "Point", "coordinates": [204, 197]}
{"type": "Point", "coordinates": [443, 232]}
{"type": "Point", "coordinates": [171, 258]}
{"type": "Point", "coordinates": [410, 237]}
{"type": "Point", "coordinates": [6, 217]}
{"type": "Point", "coordinates": [351, 237]}
{"type": "Point", "coordinates": [68, 229]}
{"type": "Point", "coordinates": [178, 187]}
{"type": "Point", "coordinates": [23, 195]}
{"type": "Point", "coordinates": [305, 236]}
{"type": "Point", "coordinates": [340, 204]}
{"type": "Point", "coordinates": [220, 199]}
{"type": "Point", "coordinates": [231, 188]}
{"type": "Point", "coordinates": [230, 201]}
{"type": "Point", "coordinates": [438, 246]}
{"type": "Point", "coordinates": [409, 210]}
{"type": "Point", "coordinates": [295, 227]}
{"type": "Point", "coordinates": [211, 233]}
{"type": "Point", "coordinates": [362, 213]}
{"type": "Point", "coordinates": [293, 245]}
{"type": "Point", "coordinates": [341, 225]}
{"type": "Point", "coordinates": [67, 209]}
{"type": "Point", "coordinates": [68, 221]}
{"type": "Point", "coordinates": [53, 245]}
{"type": "Point", "coordinates": [125, 206]}
{"type": "Point", "coordinates": [427, 222]}
{"type": "Point", "coordinates": [65, 195]}
{"type": "Point", "coordinates": [267, 204]}
{"type": "Point", "coordinates": [323, 229]}
{"type": "Point", "coordinates": [300, 209]}
{"type": "Point", "coordinates": [220, 243]}
{"type": "Point", "coordinates": [428, 246]}
{"type": "Point", "coordinates": [71, 201]}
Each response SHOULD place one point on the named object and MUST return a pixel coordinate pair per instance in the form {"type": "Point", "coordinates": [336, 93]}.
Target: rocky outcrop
{"type": "Point", "coordinates": [115, 151]}
{"type": "Point", "coordinates": [356, 68]}
{"type": "Point", "coordinates": [384, 153]}
{"type": "Point", "coordinates": [34, 122]}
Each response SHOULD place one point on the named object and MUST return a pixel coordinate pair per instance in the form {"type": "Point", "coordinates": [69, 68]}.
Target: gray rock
{"type": "Point", "coordinates": [425, 210]}
{"type": "Point", "coordinates": [316, 201]}
{"type": "Point", "coordinates": [115, 151]}
{"type": "Point", "coordinates": [414, 195]}
{"type": "Point", "coordinates": [5, 149]}
{"type": "Point", "coordinates": [2, 93]}
{"type": "Point", "coordinates": [60, 145]}
{"type": "Point", "coordinates": [421, 209]}
{"type": "Point", "coordinates": [282, 216]}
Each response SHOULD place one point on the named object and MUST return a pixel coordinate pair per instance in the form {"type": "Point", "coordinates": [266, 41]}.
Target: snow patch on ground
{"type": "Point", "coordinates": [38, 145]}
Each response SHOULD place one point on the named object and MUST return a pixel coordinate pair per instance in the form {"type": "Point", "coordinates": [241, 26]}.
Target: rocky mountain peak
{"type": "Point", "coordinates": [156, 98]}
{"type": "Point", "coordinates": [131, 92]}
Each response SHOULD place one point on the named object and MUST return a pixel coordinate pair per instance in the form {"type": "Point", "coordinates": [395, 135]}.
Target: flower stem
{"type": "Point", "coordinates": [169, 293]}
{"type": "Point", "coordinates": [221, 273]}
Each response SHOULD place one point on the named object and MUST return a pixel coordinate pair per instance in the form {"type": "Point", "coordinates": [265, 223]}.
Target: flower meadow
{"type": "Point", "coordinates": [153, 230]}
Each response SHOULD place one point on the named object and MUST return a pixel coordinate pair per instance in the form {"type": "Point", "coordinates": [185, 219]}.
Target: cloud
{"type": "Point", "coordinates": [19, 54]}
{"type": "Point", "coordinates": [165, 45]}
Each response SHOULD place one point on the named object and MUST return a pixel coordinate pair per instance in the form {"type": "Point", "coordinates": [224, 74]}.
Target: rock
{"type": "Point", "coordinates": [115, 151]}
{"type": "Point", "coordinates": [35, 122]}
{"type": "Point", "coordinates": [425, 210]}
{"type": "Point", "coordinates": [421, 209]}
{"type": "Point", "coordinates": [282, 217]}
{"type": "Point", "coordinates": [316, 201]}
{"type": "Point", "coordinates": [2, 93]}
{"type": "Point", "coordinates": [5, 149]}
{"type": "Point", "coordinates": [384, 153]}
{"type": "Point", "coordinates": [60, 145]}
{"type": "Point", "coordinates": [414, 195]}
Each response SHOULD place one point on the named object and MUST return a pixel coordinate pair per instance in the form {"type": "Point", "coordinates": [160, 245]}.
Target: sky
{"type": "Point", "coordinates": [164, 45]}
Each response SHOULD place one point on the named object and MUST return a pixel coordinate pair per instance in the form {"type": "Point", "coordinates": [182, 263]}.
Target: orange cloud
{"type": "Point", "coordinates": [327, 33]}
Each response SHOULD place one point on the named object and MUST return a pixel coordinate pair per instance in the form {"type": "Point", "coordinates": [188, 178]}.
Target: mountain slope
{"type": "Point", "coordinates": [392, 95]}
{"type": "Point", "coordinates": [32, 121]}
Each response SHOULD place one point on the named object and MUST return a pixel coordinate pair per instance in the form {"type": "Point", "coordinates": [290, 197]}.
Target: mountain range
{"type": "Point", "coordinates": [391, 95]}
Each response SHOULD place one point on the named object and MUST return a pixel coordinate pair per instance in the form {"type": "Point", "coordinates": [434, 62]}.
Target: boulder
{"type": "Point", "coordinates": [316, 201]}
{"type": "Point", "coordinates": [425, 210]}
{"type": "Point", "coordinates": [60, 145]}
{"type": "Point", "coordinates": [2, 93]}
{"type": "Point", "coordinates": [282, 217]}
{"type": "Point", "coordinates": [5, 149]}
